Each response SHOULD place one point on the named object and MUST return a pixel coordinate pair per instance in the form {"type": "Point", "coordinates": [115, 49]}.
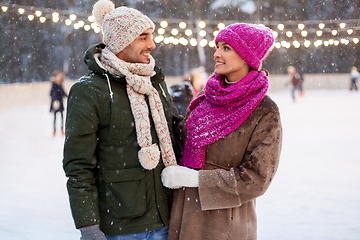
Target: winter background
{"type": "Point", "coordinates": [314, 195]}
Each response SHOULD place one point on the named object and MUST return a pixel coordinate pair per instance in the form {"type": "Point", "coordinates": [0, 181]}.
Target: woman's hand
{"type": "Point", "coordinates": [177, 176]}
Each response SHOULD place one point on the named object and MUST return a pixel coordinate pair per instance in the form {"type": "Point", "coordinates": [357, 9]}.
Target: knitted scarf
{"type": "Point", "coordinates": [219, 111]}
{"type": "Point", "coordinates": [138, 85]}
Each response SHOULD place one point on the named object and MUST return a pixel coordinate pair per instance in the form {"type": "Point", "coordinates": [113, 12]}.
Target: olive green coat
{"type": "Point", "coordinates": [106, 183]}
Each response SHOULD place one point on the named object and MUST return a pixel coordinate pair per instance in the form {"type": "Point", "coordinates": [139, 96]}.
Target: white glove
{"type": "Point", "coordinates": [91, 232]}
{"type": "Point", "coordinates": [178, 176]}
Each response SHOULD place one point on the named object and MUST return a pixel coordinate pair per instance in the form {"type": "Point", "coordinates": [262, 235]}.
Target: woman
{"type": "Point", "coordinates": [233, 143]}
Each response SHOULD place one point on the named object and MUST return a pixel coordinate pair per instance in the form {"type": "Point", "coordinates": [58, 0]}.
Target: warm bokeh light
{"type": "Point", "coordinates": [164, 24]}
{"type": "Point", "coordinates": [202, 24]}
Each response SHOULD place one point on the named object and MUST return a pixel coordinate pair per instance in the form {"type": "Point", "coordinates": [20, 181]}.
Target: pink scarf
{"type": "Point", "coordinates": [220, 111]}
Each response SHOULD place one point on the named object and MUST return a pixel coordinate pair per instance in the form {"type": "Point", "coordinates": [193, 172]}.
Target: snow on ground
{"type": "Point", "coordinates": [315, 193]}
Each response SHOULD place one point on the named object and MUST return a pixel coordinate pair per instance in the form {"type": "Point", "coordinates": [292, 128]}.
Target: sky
{"type": "Point", "coordinates": [315, 193]}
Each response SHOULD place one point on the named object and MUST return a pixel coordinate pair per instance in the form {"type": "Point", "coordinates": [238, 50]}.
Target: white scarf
{"type": "Point", "coordinates": [138, 85]}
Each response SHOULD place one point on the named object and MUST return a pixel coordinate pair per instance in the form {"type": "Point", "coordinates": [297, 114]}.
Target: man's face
{"type": "Point", "coordinates": [139, 50]}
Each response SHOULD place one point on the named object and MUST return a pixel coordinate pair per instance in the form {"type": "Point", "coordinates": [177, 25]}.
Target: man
{"type": "Point", "coordinates": [119, 133]}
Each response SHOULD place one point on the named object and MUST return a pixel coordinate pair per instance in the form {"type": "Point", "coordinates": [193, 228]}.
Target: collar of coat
{"type": "Point", "coordinates": [90, 61]}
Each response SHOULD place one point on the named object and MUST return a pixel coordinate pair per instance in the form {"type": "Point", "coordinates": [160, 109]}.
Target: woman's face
{"type": "Point", "coordinates": [229, 63]}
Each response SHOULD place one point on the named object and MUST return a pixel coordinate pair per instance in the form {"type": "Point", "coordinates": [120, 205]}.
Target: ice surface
{"type": "Point", "coordinates": [314, 195]}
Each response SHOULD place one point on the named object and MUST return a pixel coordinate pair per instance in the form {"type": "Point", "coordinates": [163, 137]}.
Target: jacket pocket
{"type": "Point", "coordinates": [125, 192]}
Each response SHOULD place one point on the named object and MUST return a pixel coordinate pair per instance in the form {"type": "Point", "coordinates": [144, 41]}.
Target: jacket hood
{"type": "Point", "coordinates": [91, 60]}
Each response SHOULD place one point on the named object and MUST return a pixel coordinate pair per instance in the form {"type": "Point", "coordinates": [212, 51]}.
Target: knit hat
{"type": "Point", "coordinates": [120, 26]}
{"type": "Point", "coordinates": [251, 41]}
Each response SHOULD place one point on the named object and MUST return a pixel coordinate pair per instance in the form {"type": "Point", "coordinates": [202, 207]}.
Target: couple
{"type": "Point", "coordinates": [120, 152]}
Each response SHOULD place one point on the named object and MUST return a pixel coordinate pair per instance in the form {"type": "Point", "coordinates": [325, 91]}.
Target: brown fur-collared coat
{"type": "Point", "coordinates": [238, 169]}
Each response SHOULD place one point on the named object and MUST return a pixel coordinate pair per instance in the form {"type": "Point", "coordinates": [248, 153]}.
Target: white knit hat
{"type": "Point", "coordinates": [120, 26]}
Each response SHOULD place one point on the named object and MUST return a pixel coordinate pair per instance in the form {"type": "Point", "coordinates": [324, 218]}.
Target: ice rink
{"type": "Point", "coordinates": [315, 193]}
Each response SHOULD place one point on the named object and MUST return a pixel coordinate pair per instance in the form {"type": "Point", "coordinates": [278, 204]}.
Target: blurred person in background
{"type": "Point", "coordinates": [354, 74]}
{"type": "Point", "coordinates": [119, 133]}
{"type": "Point", "coordinates": [233, 137]}
{"type": "Point", "coordinates": [57, 94]}
{"type": "Point", "coordinates": [296, 82]}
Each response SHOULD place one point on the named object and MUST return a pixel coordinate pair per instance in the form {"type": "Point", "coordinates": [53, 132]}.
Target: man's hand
{"type": "Point", "coordinates": [91, 232]}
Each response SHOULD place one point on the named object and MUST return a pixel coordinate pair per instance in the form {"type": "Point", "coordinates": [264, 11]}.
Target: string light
{"type": "Point", "coordinates": [38, 13]}
{"type": "Point", "coordinates": [188, 32]}
{"type": "Point", "coordinates": [221, 26]}
{"type": "Point", "coordinates": [280, 26]}
{"type": "Point", "coordinates": [72, 17]}
{"type": "Point", "coordinates": [202, 24]}
{"type": "Point", "coordinates": [182, 25]}
{"type": "Point", "coordinates": [344, 33]}
{"type": "Point", "coordinates": [202, 33]}
{"type": "Point", "coordinates": [174, 31]}
{"type": "Point", "coordinates": [164, 24]}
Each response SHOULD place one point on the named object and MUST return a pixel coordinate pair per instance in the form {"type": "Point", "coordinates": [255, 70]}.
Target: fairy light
{"type": "Point", "coordinates": [304, 33]}
{"type": "Point", "coordinates": [319, 33]}
{"type": "Point", "coordinates": [174, 31]}
{"type": "Point", "coordinates": [55, 17]}
{"type": "Point", "coordinates": [349, 31]}
{"type": "Point", "coordinates": [4, 8]}
{"type": "Point", "coordinates": [87, 27]}
{"type": "Point", "coordinates": [193, 42]}
{"type": "Point", "coordinates": [91, 18]}
{"type": "Point", "coordinates": [164, 24]}
{"type": "Point", "coordinates": [202, 24]}
{"type": "Point", "coordinates": [334, 32]}
{"type": "Point", "coordinates": [356, 40]}
{"type": "Point", "coordinates": [72, 17]}
{"type": "Point", "coordinates": [331, 41]}
{"type": "Point", "coordinates": [31, 17]}
{"type": "Point", "coordinates": [182, 25]}
{"type": "Point", "coordinates": [97, 30]}
{"type": "Point", "coordinates": [93, 25]}
{"type": "Point", "coordinates": [301, 26]}
{"type": "Point", "coordinates": [215, 33]}
{"type": "Point", "coordinates": [307, 43]}
{"type": "Point", "coordinates": [289, 34]}
{"type": "Point", "coordinates": [221, 26]}
{"type": "Point", "coordinates": [321, 25]}
{"type": "Point", "coordinates": [21, 10]}
{"type": "Point", "coordinates": [81, 23]}
{"type": "Point", "coordinates": [202, 33]}
{"type": "Point", "coordinates": [188, 32]}
{"type": "Point", "coordinates": [38, 13]}
{"type": "Point", "coordinates": [161, 31]}
{"type": "Point", "coordinates": [336, 42]}
{"type": "Point", "coordinates": [326, 43]}
{"type": "Point", "coordinates": [42, 19]}
{"type": "Point", "coordinates": [68, 22]}
{"type": "Point", "coordinates": [175, 41]}
{"type": "Point", "coordinates": [275, 34]}
{"type": "Point", "coordinates": [203, 42]}
{"type": "Point", "coordinates": [212, 44]}
{"type": "Point", "coordinates": [281, 26]}
{"type": "Point", "coordinates": [342, 25]}
{"type": "Point", "coordinates": [296, 44]}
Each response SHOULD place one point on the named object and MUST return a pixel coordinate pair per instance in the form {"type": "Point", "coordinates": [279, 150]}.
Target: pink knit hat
{"type": "Point", "coordinates": [120, 26]}
{"type": "Point", "coordinates": [251, 41]}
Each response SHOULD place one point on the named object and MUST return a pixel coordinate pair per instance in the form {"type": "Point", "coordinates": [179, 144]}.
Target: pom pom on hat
{"type": "Point", "coordinates": [100, 9]}
{"type": "Point", "coordinates": [149, 157]}
{"type": "Point", "coordinates": [120, 26]}
{"type": "Point", "coordinates": [251, 41]}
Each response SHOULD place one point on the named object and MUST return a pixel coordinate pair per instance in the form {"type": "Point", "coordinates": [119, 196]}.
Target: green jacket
{"type": "Point", "coordinates": [106, 183]}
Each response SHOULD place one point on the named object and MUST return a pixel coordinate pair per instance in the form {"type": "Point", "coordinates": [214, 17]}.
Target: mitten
{"type": "Point", "coordinates": [179, 176]}
{"type": "Point", "coordinates": [91, 232]}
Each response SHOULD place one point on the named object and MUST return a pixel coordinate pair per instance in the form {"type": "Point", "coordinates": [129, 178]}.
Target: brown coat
{"type": "Point", "coordinates": [238, 169]}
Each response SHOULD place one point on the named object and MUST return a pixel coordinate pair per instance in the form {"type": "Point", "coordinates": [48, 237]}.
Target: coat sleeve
{"type": "Point", "coordinates": [79, 159]}
{"type": "Point", "coordinates": [221, 189]}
